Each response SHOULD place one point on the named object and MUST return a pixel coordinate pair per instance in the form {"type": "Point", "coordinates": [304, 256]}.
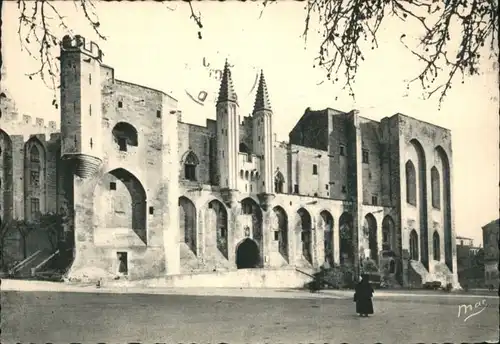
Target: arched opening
{"type": "Point", "coordinates": [392, 266]}
{"type": "Point", "coordinates": [34, 179]}
{"type": "Point", "coordinates": [422, 203]}
{"type": "Point", "coordinates": [187, 223]}
{"type": "Point", "coordinates": [6, 174]}
{"type": "Point", "coordinates": [190, 161]}
{"type": "Point", "coordinates": [436, 246]}
{"type": "Point", "coordinates": [250, 207]}
{"type": "Point", "coordinates": [370, 225]}
{"type": "Point", "coordinates": [305, 227]}
{"type": "Point", "coordinates": [282, 231]}
{"type": "Point", "coordinates": [436, 188]}
{"type": "Point", "coordinates": [279, 181]}
{"type": "Point", "coordinates": [414, 245]}
{"type": "Point", "coordinates": [120, 202]}
{"type": "Point", "coordinates": [244, 148]}
{"type": "Point", "coordinates": [389, 239]}
{"type": "Point", "coordinates": [217, 218]}
{"type": "Point", "coordinates": [327, 223]}
{"type": "Point", "coordinates": [446, 196]}
{"type": "Point", "coordinates": [247, 254]}
{"type": "Point", "coordinates": [247, 175]}
{"type": "Point", "coordinates": [411, 183]}
{"type": "Point", "coordinates": [346, 234]}
{"type": "Point", "coordinates": [125, 135]}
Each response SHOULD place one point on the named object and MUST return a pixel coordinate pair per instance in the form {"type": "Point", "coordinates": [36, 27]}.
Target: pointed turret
{"type": "Point", "coordinates": [262, 99]}
{"type": "Point", "coordinates": [226, 90]}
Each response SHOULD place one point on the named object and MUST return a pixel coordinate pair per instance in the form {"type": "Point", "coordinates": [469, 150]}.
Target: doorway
{"type": "Point", "coordinates": [247, 255]}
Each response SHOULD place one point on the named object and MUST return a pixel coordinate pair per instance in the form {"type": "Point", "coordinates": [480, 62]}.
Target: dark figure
{"type": "Point", "coordinates": [363, 297]}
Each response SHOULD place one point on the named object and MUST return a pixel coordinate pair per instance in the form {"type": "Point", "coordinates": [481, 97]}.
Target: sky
{"type": "Point", "coordinates": [157, 45]}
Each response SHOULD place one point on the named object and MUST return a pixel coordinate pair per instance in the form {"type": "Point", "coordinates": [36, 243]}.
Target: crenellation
{"type": "Point", "coordinates": [182, 198]}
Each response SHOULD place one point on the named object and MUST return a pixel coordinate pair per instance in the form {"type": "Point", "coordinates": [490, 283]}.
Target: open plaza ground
{"type": "Point", "coordinates": [91, 315]}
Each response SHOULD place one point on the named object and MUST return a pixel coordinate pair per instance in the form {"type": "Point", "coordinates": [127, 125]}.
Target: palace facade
{"type": "Point", "coordinates": [147, 195]}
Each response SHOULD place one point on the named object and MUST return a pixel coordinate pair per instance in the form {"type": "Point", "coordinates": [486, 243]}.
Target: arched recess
{"type": "Point", "coordinates": [436, 242]}
{"type": "Point", "coordinates": [346, 235]}
{"type": "Point", "coordinates": [250, 207]}
{"type": "Point", "coordinates": [370, 228]}
{"type": "Point", "coordinates": [422, 202]}
{"type": "Point", "coordinates": [413, 245]}
{"type": "Point", "coordinates": [247, 254]}
{"type": "Point", "coordinates": [411, 183]}
{"type": "Point", "coordinates": [327, 224]}
{"type": "Point", "coordinates": [6, 174]}
{"type": "Point", "coordinates": [187, 223]}
{"type": "Point", "coordinates": [120, 202]}
{"type": "Point", "coordinates": [34, 178]}
{"type": "Point", "coordinates": [125, 135]}
{"type": "Point", "coordinates": [446, 210]}
{"type": "Point", "coordinates": [304, 229]}
{"type": "Point", "coordinates": [282, 217]}
{"type": "Point", "coordinates": [279, 181]}
{"type": "Point", "coordinates": [217, 218]}
{"type": "Point", "coordinates": [436, 188]}
{"type": "Point", "coordinates": [190, 162]}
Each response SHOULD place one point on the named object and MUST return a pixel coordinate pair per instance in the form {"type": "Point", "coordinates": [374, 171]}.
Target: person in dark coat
{"type": "Point", "coordinates": [363, 297]}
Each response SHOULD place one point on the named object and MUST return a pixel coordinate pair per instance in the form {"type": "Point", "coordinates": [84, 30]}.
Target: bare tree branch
{"type": "Point", "coordinates": [348, 24]}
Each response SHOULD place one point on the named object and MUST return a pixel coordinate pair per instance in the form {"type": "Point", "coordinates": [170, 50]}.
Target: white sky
{"type": "Point", "coordinates": [150, 44]}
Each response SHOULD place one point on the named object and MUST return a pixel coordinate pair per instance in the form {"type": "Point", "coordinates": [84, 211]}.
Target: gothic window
{"type": "Point", "coordinates": [411, 183]}
{"type": "Point", "coordinates": [413, 245]}
{"type": "Point", "coordinates": [34, 154]}
{"type": "Point", "coordinates": [125, 135]}
{"type": "Point", "coordinates": [190, 163]}
{"type": "Point", "coordinates": [35, 207]}
{"type": "Point", "coordinates": [436, 188]}
{"type": "Point", "coordinates": [342, 150]}
{"type": "Point", "coordinates": [436, 246]}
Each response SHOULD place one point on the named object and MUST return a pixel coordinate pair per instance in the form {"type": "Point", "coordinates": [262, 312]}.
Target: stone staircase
{"type": "Point", "coordinates": [417, 274]}
{"type": "Point", "coordinates": [27, 268]}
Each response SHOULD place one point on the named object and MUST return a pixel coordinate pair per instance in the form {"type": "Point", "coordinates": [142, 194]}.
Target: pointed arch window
{"type": "Point", "coordinates": [411, 183]}
{"type": "Point", "coordinates": [34, 154]}
{"type": "Point", "coordinates": [190, 163]}
{"type": "Point", "coordinates": [436, 245]}
{"type": "Point", "coordinates": [413, 245]}
{"type": "Point", "coordinates": [436, 188]}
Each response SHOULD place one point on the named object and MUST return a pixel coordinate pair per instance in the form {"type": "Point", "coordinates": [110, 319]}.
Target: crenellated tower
{"type": "Point", "coordinates": [81, 117]}
{"type": "Point", "coordinates": [263, 139]}
{"type": "Point", "coordinates": [227, 136]}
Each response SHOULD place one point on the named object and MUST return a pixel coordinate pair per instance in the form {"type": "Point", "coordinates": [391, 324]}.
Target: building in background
{"type": "Point", "coordinates": [146, 195]}
{"type": "Point", "coordinates": [470, 263]}
{"type": "Point", "coordinates": [491, 242]}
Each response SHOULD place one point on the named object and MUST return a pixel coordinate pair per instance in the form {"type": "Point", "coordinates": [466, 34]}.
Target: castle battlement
{"type": "Point", "coordinates": [78, 43]}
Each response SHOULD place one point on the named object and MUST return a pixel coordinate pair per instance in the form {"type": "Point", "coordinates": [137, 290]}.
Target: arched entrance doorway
{"type": "Point", "coordinates": [247, 255]}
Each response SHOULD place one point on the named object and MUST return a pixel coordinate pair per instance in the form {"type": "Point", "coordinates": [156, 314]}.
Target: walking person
{"type": "Point", "coordinates": [363, 297]}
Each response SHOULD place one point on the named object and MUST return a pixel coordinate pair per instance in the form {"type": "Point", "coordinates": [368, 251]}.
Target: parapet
{"type": "Point", "coordinates": [78, 43]}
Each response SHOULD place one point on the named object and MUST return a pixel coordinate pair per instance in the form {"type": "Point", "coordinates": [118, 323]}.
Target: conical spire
{"type": "Point", "coordinates": [226, 90]}
{"type": "Point", "coordinates": [262, 99]}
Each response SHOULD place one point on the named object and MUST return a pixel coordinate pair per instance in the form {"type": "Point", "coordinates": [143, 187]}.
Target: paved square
{"type": "Point", "coordinates": [63, 317]}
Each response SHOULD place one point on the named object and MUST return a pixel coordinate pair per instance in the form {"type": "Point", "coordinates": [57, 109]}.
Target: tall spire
{"type": "Point", "coordinates": [226, 90]}
{"type": "Point", "coordinates": [262, 99]}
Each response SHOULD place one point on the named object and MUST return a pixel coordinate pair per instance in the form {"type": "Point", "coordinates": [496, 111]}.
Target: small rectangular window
{"type": "Point", "coordinates": [342, 150]}
{"type": "Point", "coordinates": [122, 262]}
{"type": "Point", "coordinates": [374, 200]}
{"type": "Point", "coordinates": [276, 235]}
{"type": "Point", "coordinates": [120, 104]}
{"type": "Point", "coordinates": [366, 157]}
{"type": "Point", "coordinates": [315, 194]}
{"type": "Point", "coordinates": [344, 189]}
{"type": "Point", "coordinates": [112, 186]}
{"type": "Point", "coordinates": [151, 210]}
{"type": "Point", "coordinates": [90, 79]}
{"type": "Point", "coordinates": [158, 114]}
{"type": "Point", "coordinates": [326, 186]}
{"type": "Point", "coordinates": [296, 188]}
{"type": "Point", "coordinates": [315, 169]}
{"type": "Point", "coordinates": [90, 109]}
